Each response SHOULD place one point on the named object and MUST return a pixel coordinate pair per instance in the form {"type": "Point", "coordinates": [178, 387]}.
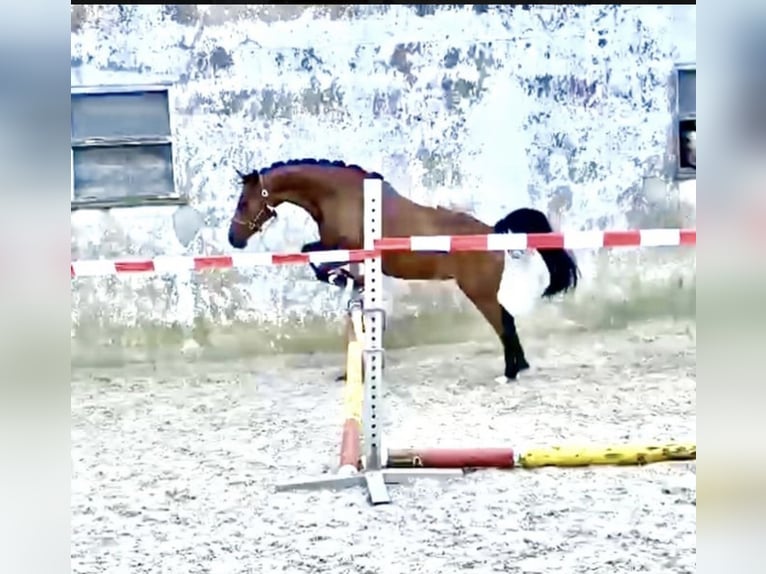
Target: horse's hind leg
{"type": "Point", "coordinates": [512, 343]}
{"type": "Point", "coordinates": [484, 297]}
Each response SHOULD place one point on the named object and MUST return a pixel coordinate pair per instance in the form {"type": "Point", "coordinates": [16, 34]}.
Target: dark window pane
{"type": "Point", "coordinates": [123, 171]}
{"type": "Point", "coordinates": [687, 91]}
{"type": "Point", "coordinates": [120, 115]}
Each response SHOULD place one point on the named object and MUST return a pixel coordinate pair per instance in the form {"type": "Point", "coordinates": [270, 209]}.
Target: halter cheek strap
{"type": "Point", "coordinates": [272, 210]}
{"type": "Point", "coordinates": [252, 224]}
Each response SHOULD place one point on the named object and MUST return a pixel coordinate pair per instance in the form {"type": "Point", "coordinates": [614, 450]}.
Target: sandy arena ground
{"type": "Point", "coordinates": [174, 465]}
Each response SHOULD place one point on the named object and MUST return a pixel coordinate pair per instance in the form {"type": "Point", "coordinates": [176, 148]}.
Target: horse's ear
{"type": "Point", "coordinates": [240, 175]}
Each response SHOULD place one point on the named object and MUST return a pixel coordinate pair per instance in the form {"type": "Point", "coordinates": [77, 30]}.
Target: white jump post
{"type": "Point", "coordinates": [375, 476]}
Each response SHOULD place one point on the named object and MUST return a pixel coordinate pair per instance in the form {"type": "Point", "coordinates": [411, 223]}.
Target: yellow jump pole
{"type": "Point", "coordinates": [621, 455]}
{"type": "Point", "coordinates": [353, 395]}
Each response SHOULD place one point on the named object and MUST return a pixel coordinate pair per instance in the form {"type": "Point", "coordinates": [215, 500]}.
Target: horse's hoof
{"type": "Point", "coordinates": [507, 378]}
{"type": "Point", "coordinates": [341, 378]}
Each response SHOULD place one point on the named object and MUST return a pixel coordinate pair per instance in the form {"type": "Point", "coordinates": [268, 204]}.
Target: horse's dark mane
{"type": "Point", "coordinates": [256, 173]}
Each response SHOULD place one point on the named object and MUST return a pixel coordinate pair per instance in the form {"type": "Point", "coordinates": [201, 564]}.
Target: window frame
{"type": "Point", "coordinates": [175, 198]}
{"type": "Point", "coordinates": [680, 173]}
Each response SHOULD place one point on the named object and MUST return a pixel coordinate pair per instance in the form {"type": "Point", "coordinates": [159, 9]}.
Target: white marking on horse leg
{"type": "Point", "coordinates": [521, 283]}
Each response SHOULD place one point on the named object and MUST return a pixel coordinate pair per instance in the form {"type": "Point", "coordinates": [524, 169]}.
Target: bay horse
{"type": "Point", "coordinates": [332, 194]}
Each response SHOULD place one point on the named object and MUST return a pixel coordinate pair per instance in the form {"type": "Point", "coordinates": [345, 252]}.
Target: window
{"type": "Point", "coordinates": [122, 147]}
{"type": "Point", "coordinates": [686, 90]}
{"type": "Point", "coordinates": [684, 144]}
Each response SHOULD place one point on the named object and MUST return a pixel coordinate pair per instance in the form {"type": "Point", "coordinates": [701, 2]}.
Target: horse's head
{"type": "Point", "coordinates": [254, 209]}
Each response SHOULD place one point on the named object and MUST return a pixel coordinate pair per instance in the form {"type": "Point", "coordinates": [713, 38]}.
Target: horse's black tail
{"type": "Point", "coordinates": [561, 264]}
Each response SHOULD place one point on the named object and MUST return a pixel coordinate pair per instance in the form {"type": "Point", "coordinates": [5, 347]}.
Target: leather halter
{"type": "Point", "coordinates": [255, 223]}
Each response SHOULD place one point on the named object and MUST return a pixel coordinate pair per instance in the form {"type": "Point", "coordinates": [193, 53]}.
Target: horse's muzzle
{"type": "Point", "coordinates": [235, 241]}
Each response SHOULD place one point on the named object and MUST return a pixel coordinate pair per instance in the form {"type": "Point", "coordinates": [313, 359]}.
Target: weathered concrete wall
{"type": "Point", "coordinates": [485, 108]}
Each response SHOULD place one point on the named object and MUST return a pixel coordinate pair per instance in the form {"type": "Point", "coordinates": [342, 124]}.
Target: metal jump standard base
{"type": "Point", "coordinates": [374, 477]}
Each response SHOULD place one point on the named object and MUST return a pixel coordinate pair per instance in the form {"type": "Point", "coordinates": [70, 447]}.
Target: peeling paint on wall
{"type": "Point", "coordinates": [484, 108]}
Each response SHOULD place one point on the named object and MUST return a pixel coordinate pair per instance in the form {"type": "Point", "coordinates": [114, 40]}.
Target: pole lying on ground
{"type": "Point", "coordinates": [559, 456]}
{"type": "Point", "coordinates": [451, 458]}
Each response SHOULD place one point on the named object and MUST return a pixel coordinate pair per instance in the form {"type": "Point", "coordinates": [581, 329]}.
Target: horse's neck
{"type": "Point", "coordinates": [332, 206]}
{"type": "Point", "coordinates": [305, 203]}
{"type": "Point", "coordinates": [292, 188]}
